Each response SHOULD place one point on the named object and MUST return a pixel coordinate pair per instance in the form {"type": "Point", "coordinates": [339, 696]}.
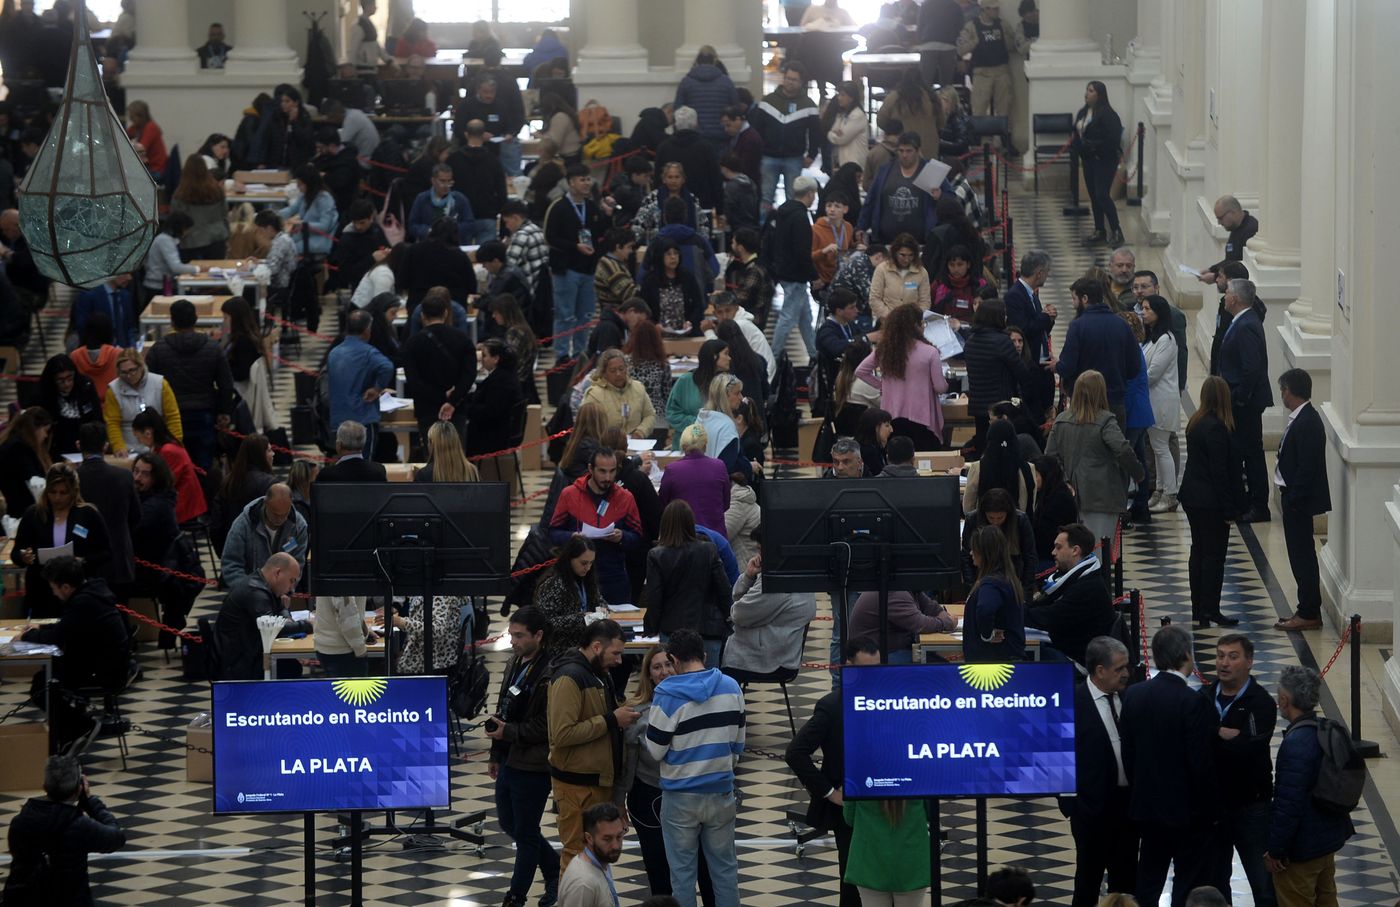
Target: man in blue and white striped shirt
{"type": "Point", "coordinates": [697, 734]}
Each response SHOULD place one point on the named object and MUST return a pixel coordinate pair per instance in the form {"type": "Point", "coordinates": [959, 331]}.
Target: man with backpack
{"type": "Point", "coordinates": [52, 836]}
{"type": "Point", "coordinates": [1315, 789]}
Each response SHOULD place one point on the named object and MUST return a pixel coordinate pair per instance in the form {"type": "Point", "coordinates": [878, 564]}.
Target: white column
{"type": "Point", "coordinates": [612, 64]}
{"type": "Point", "coordinates": [712, 22]}
{"type": "Point", "coordinates": [1182, 165]}
{"type": "Point", "coordinates": [260, 40]}
{"type": "Point", "coordinates": [1145, 51]}
{"type": "Point", "coordinates": [165, 39]}
{"type": "Point", "coordinates": [1158, 110]}
{"type": "Point", "coordinates": [1065, 57]}
{"type": "Point", "coordinates": [1363, 415]}
{"type": "Point", "coordinates": [1312, 313]}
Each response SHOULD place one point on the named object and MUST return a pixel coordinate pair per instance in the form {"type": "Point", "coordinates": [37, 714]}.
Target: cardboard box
{"type": "Point", "coordinates": [684, 346]}
{"type": "Point", "coordinates": [23, 750]}
{"type": "Point", "coordinates": [401, 472]}
{"type": "Point", "coordinates": [956, 411]}
{"type": "Point", "coordinates": [145, 606]}
{"type": "Point", "coordinates": [807, 433]}
{"type": "Point", "coordinates": [199, 767]}
{"type": "Point", "coordinates": [204, 306]}
{"type": "Point", "coordinates": [937, 462]}
{"type": "Point", "coordinates": [266, 177]}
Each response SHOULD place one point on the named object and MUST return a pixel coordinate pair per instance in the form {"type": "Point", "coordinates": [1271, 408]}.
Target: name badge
{"type": "Point", "coordinates": [80, 531]}
{"type": "Point", "coordinates": [1229, 247]}
{"type": "Point", "coordinates": [626, 411]}
{"type": "Point", "coordinates": [289, 544]}
{"type": "Point", "coordinates": [514, 690]}
{"type": "Point", "coordinates": [602, 509]}
{"type": "Point", "coordinates": [911, 284]}
{"type": "Point", "coordinates": [792, 107]}
{"type": "Point", "coordinates": [493, 118]}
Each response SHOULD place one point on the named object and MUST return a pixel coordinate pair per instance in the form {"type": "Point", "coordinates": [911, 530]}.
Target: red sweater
{"type": "Point", "coordinates": [189, 494]}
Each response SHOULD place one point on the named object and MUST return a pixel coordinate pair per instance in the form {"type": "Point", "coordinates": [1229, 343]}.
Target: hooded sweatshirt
{"type": "Point", "coordinates": [697, 731]}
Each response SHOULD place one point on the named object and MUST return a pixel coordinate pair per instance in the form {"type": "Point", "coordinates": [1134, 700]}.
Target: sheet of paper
{"type": "Point", "coordinates": [6, 639]}
{"type": "Point", "coordinates": [73, 457]}
{"type": "Point", "coordinates": [1187, 269]}
{"type": "Point", "coordinates": [640, 444]}
{"type": "Point", "coordinates": [301, 615]}
{"type": "Point", "coordinates": [932, 175]}
{"type": "Point", "coordinates": [597, 532]}
{"type": "Point", "coordinates": [959, 627]}
{"type": "Point", "coordinates": [48, 554]}
{"type": "Point", "coordinates": [938, 332]}
{"type": "Point", "coordinates": [647, 640]}
{"type": "Point", "coordinates": [623, 608]}
{"type": "Point", "coordinates": [389, 403]}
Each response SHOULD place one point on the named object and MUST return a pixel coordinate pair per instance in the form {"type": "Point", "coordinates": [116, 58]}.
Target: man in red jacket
{"type": "Point", "coordinates": [596, 502]}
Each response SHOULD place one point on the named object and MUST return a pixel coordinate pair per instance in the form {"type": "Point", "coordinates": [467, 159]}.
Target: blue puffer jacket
{"type": "Point", "coordinates": [1138, 400]}
{"type": "Point", "coordinates": [318, 220]}
{"type": "Point", "coordinates": [707, 91]}
{"type": "Point", "coordinates": [1299, 831]}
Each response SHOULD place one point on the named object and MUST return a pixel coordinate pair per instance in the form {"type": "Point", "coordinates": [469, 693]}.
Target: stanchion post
{"type": "Point", "coordinates": [1007, 255]}
{"type": "Point", "coordinates": [1074, 209]}
{"type": "Point", "coordinates": [1141, 137]}
{"type": "Point", "coordinates": [308, 822]}
{"type": "Point", "coordinates": [1139, 627]}
{"type": "Point", "coordinates": [1367, 748]}
{"type": "Point", "coordinates": [988, 181]}
{"type": "Point", "coordinates": [1117, 574]}
{"type": "Point", "coordinates": [1106, 554]}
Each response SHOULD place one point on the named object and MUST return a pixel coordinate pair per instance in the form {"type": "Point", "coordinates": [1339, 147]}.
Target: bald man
{"type": "Point", "coordinates": [265, 592]}
{"type": "Point", "coordinates": [268, 525]}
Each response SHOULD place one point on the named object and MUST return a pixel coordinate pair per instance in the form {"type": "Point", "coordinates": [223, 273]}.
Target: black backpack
{"type": "Point", "coordinates": [469, 683]}
{"type": "Point", "coordinates": [783, 415]}
{"type": "Point", "coordinates": [34, 884]}
{"type": "Point", "coordinates": [1342, 772]}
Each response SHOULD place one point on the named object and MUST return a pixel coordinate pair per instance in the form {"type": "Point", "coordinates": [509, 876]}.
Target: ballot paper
{"type": "Point", "coordinates": [932, 175]}
{"type": "Point", "coordinates": [623, 608]}
{"type": "Point", "coordinates": [637, 445]}
{"type": "Point", "coordinates": [301, 615]}
{"type": "Point", "coordinates": [938, 332]}
{"type": "Point", "coordinates": [597, 532]}
{"type": "Point", "coordinates": [389, 403]}
{"type": "Point", "coordinates": [48, 554]}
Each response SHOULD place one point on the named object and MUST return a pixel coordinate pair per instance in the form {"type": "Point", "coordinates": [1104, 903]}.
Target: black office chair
{"type": "Point", "coordinates": [1056, 126]}
{"type": "Point", "coordinates": [997, 127]}
{"type": "Point", "coordinates": [781, 676]}
{"type": "Point", "coordinates": [519, 416]}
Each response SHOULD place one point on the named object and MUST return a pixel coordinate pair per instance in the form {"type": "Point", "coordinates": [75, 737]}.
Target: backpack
{"type": "Point", "coordinates": [1342, 772]}
{"type": "Point", "coordinates": [783, 415]}
{"type": "Point", "coordinates": [469, 682]}
{"type": "Point", "coordinates": [34, 884]}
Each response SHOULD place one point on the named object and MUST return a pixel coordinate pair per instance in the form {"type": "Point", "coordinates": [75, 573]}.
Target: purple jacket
{"type": "Point", "coordinates": [703, 483]}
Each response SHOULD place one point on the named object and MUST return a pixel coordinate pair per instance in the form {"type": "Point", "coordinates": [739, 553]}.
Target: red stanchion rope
{"type": "Point", "coordinates": [1341, 644]}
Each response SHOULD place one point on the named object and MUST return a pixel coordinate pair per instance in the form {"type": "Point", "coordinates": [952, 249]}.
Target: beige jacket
{"type": "Point", "coordinates": [890, 287]}
{"type": "Point", "coordinates": [629, 407]}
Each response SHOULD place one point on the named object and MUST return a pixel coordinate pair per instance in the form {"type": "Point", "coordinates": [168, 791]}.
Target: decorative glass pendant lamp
{"type": "Point", "coordinates": [87, 204]}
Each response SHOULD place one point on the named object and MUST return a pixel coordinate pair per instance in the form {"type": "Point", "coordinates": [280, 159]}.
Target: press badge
{"type": "Point", "coordinates": [80, 531]}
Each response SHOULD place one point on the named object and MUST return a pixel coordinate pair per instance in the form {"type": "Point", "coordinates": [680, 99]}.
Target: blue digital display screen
{"type": "Point", "coordinates": [958, 730]}
{"type": "Point", "coordinates": [323, 745]}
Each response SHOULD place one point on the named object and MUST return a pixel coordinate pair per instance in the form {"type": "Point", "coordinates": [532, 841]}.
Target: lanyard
{"type": "Point", "coordinates": [1225, 710]}
{"type": "Point", "coordinates": [582, 596]}
{"type": "Point", "coordinates": [580, 209]}
{"type": "Point", "coordinates": [838, 233]}
{"type": "Point", "coordinates": [612, 889]}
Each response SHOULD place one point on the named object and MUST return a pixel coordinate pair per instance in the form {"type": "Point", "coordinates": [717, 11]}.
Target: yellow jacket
{"type": "Point", "coordinates": [628, 407]}
{"type": "Point", "coordinates": [890, 287]}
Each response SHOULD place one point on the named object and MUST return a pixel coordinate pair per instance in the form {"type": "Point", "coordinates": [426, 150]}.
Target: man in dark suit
{"type": "Point", "coordinates": [1024, 310]}
{"type": "Point", "coordinates": [111, 490]}
{"type": "Point", "coordinates": [1244, 364]}
{"type": "Point", "coordinates": [823, 732]}
{"type": "Point", "coordinates": [352, 465]}
{"type": "Point", "coordinates": [1169, 734]}
{"type": "Point", "coordinates": [1104, 836]}
{"type": "Point", "coordinates": [1076, 606]}
{"type": "Point", "coordinates": [1302, 479]}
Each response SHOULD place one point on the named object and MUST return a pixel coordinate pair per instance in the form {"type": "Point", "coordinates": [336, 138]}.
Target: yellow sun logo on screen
{"type": "Point", "coordinates": [360, 692]}
{"type": "Point", "coordinates": [986, 677]}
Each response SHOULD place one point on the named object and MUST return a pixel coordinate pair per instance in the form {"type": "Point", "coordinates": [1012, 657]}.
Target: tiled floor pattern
{"type": "Point", "coordinates": [181, 856]}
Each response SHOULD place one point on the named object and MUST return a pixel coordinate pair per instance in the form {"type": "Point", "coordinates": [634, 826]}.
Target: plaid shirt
{"type": "Point", "coordinates": [528, 252]}
{"type": "Point", "coordinates": [749, 281]}
{"type": "Point", "coordinates": [972, 207]}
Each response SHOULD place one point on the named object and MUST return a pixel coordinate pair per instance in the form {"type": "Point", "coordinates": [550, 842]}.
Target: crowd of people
{"type": "Point", "coordinates": [1070, 447]}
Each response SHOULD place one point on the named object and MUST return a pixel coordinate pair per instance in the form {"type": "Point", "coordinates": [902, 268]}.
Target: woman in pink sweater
{"type": "Point", "coordinates": [909, 373]}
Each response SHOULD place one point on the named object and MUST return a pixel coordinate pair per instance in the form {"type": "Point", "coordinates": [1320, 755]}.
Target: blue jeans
{"type": "Point", "coordinates": [520, 801]}
{"type": "Point", "coordinates": [574, 304]}
{"type": "Point", "coordinates": [510, 157]}
{"type": "Point", "coordinates": [484, 229]}
{"type": "Point", "coordinates": [797, 310]}
{"type": "Point", "coordinates": [707, 820]}
{"type": "Point", "coordinates": [200, 441]}
{"type": "Point", "coordinates": [789, 168]}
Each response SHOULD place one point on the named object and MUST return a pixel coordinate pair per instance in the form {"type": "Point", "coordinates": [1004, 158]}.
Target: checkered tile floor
{"type": "Point", "coordinates": [181, 856]}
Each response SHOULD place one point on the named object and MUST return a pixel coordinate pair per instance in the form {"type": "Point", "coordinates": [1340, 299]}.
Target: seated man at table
{"type": "Point", "coordinates": [1076, 605]}
{"type": "Point", "coordinates": [263, 592]}
{"type": "Point", "coordinates": [351, 465]}
{"type": "Point", "coordinates": [353, 254]}
{"type": "Point", "coordinates": [90, 630]}
{"type": "Point", "coordinates": [441, 201]}
{"type": "Point", "coordinates": [268, 524]}
{"type": "Point", "coordinates": [769, 627]}
{"type": "Point", "coordinates": [911, 614]}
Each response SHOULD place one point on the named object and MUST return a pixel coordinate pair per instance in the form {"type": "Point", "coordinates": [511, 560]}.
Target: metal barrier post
{"type": "Point", "coordinates": [988, 181]}
{"type": "Point", "coordinates": [1367, 748]}
{"type": "Point", "coordinates": [1006, 254]}
{"type": "Point", "coordinates": [1074, 208]}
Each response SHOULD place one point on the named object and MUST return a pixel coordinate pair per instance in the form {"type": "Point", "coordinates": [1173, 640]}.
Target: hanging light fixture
{"type": "Point", "coordinates": [87, 205]}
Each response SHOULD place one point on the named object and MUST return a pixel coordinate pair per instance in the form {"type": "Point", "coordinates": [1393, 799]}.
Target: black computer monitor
{"type": "Point", "coordinates": [820, 534]}
{"type": "Point", "coordinates": [405, 95]}
{"type": "Point", "coordinates": [439, 539]}
{"type": "Point", "coordinates": [351, 93]}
